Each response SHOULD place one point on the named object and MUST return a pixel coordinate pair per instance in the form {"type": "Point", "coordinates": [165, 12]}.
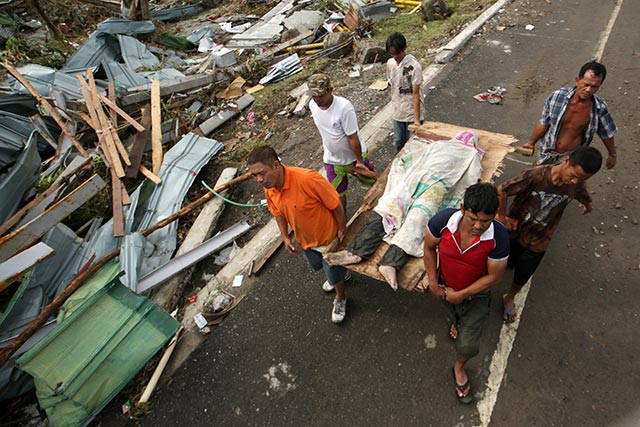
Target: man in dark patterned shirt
{"type": "Point", "coordinates": [572, 116]}
{"type": "Point", "coordinates": [540, 196]}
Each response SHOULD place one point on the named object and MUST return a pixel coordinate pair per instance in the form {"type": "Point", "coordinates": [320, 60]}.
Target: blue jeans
{"type": "Point", "coordinates": [335, 274]}
{"type": "Point", "coordinates": [401, 134]}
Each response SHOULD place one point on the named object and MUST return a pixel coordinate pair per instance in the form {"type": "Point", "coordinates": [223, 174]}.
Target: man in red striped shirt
{"type": "Point", "coordinates": [473, 249]}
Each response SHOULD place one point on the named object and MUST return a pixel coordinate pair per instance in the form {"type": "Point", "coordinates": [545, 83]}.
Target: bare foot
{"type": "Point", "coordinates": [510, 314]}
{"type": "Point", "coordinates": [341, 258]}
{"type": "Point", "coordinates": [453, 331]}
{"type": "Point", "coordinates": [389, 274]}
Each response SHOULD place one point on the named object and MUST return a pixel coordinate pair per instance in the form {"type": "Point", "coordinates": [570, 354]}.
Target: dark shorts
{"type": "Point", "coordinates": [471, 317]}
{"type": "Point", "coordinates": [337, 175]}
{"type": "Point", "coordinates": [523, 261]}
{"type": "Point", "coordinates": [334, 274]}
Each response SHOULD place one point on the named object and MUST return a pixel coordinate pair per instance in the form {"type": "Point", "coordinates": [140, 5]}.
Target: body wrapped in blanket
{"type": "Point", "coordinates": [427, 177]}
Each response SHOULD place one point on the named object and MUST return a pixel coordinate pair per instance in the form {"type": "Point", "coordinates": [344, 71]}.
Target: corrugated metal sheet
{"type": "Point", "coordinates": [95, 351]}
{"type": "Point", "coordinates": [45, 80]}
{"type": "Point", "coordinates": [122, 75]}
{"type": "Point", "coordinates": [136, 55]}
{"type": "Point", "coordinates": [125, 26]}
{"type": "Point", "coordinates": [98, 47]}
{"type": "Point", "coordinates": [150, 203]}
{"type": "Point", "coordinates": [20, 178]}
{"type": "Point", "coordinates": [280, 70]}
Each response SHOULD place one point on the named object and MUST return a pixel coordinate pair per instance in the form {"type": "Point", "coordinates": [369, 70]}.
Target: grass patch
{"type": "Point", "coordinates": [421, 36]}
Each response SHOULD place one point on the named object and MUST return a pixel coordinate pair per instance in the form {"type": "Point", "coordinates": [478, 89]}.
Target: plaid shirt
{"type": "Point", "coordinates": [600, 120]}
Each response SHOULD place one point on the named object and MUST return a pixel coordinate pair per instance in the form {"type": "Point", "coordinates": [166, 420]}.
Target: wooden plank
{"type": "Point", "coordinates": [29, 233]}
{"type": "Point", "coordinates": [111, 95]}
{"type": "Point", "coordinates": [139, 144]}
{"type": "Point", "coordinates": [17, 265]}
{"type": "Point", "coordinates": [116, 206]}
{"type": "Point", "coordinates": [104, 136]}
{"type": "Point", "coordinates": [412, 276]}
{"type": "Point", "coordinates": [126, 200]}
{"type": "Point", "coordinates": [156, 127]}
{"type": "Point", "coordinates": [115, 109]}
{"type": "Point", "coordinates": [52, 111]}
{"type": "Point", "coordinates": [150, 175]}
{"type": "Point", "coordinates": [112, 134]}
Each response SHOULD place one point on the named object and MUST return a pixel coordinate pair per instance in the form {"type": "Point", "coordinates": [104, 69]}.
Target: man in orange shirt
{"type": "Point", "coordinates": [306, 201]}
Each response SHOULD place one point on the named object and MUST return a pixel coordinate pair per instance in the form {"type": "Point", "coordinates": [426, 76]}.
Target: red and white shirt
{"type": "Point", "coordinates": [461, 268]}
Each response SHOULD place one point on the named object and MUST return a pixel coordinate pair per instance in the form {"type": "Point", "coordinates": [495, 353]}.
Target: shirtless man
{"type": "Point", "coordinates": [571, 117]}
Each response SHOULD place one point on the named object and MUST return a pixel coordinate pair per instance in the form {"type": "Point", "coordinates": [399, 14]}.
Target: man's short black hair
{"type": "Point", "coordinates": [588, 158]}
{"type": "Point", "coordinates": [597, 68]}
{"type": "Point", "coordinates": [263, 154]}
{"type": "Point", "coordinates": [397, 42]}
{"type": "Point", "coordinates": [481, 197]}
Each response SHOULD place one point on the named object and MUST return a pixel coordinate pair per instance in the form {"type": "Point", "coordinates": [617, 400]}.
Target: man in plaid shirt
{"type": "Point", "coordinates": [572, 116]}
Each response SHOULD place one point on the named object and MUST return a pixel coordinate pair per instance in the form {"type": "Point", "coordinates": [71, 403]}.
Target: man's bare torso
{"type": "Point", "coordinates": [574, 123]}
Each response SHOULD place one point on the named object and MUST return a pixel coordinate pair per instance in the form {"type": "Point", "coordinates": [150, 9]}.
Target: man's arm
{"type": "Point", "coordinates": [611, 149]}
{"type": "Point", "coordinates": [430, 260]}
{"type": "Point", "coordinates": [417, 103]}
{"type": "Point", "coordinates": [509, 223]}
{"type": "Point", "coordinates": [283, 226]}
{"type": "Point", "coordinates": [341, 218]}
{"type": "Point", "coordinates": [538, 132]}
{"type": "Point", "coordinates": [495, 271]}
{"type": "Point", "coordinates": [354, 144]}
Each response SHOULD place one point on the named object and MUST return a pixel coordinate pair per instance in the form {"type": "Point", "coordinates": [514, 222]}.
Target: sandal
{"type": "Point", "coordinates": [510, 314]}
{"type": "Point", "coordinates": [466, 399]}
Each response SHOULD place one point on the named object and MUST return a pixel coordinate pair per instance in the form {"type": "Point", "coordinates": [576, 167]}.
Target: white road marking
{"type": "Point", "coordinates": [499, 360]}
{"type": "Point", "coordinates": [605, 34]}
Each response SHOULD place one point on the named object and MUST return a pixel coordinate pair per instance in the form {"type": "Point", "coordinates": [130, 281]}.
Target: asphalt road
{"type": "Point", "coordinates": [278, 359]}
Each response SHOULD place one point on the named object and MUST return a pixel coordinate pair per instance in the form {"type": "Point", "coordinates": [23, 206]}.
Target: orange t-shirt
{"type": "Point", "coordinates": [306, 201]}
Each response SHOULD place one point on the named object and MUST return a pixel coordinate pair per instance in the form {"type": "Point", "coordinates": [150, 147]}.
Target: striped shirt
{"type": "Point", "coordinates": [600, 120]}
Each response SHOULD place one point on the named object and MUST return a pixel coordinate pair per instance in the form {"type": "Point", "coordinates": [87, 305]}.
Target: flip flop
{"type": "Point", "coordinates": [481, 97]}
{"type": "Point", "coordinates": [510, 314]}
{"type": "Point", "coordinates": [461, 388]}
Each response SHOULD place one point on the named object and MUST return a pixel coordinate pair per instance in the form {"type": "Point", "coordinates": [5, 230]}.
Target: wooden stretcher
{"type": "Point", "coordinates": [412, 276]}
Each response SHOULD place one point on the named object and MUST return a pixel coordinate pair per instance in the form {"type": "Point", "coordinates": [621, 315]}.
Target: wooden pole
{"type": "Point", "coordinates": [85, 273]}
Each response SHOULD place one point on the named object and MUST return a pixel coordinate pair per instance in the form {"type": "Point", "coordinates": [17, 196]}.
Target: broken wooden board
{"type": "Point", "coordinates": [156, 127]}
{"type": "Point", "coordinates": [140, 141]}
{"type": "Point", "coordinates": [29, 233]}
{"type": "Point", "coordinates": [412, 276]}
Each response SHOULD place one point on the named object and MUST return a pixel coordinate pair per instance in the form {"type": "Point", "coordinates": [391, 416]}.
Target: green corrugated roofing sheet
{"type": "Point", "coordinates": [94, 353]}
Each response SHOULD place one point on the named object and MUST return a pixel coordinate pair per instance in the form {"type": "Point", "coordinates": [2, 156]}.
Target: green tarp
{"type": "Point", "coordinates": [96, 350]}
